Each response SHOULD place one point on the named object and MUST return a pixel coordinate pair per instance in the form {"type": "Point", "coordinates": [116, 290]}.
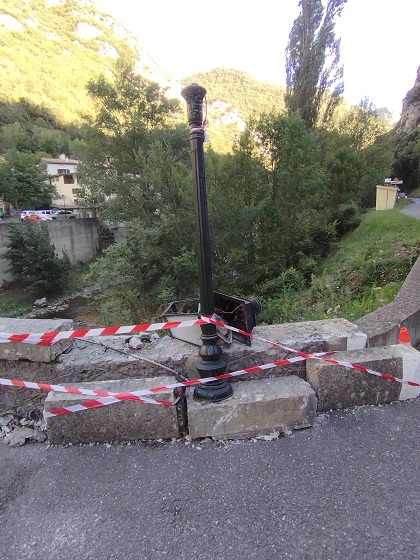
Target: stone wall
{"type": "Point", "coordinates": [79, 238]}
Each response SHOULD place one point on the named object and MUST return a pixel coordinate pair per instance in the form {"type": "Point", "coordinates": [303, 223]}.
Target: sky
{"type": "Point", "coordinates": [380, 40]}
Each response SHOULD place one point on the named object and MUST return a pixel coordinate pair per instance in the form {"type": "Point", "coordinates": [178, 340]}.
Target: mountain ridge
{"type": "Point", "coordinates": [49, 50]}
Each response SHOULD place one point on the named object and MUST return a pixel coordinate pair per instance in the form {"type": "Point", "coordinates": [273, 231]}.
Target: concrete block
{"type": "Point", "coordinates": [256, 408]}
{"type": "Point", "coordinates": [306, 336]}
{"type": "Point", "coordinates": [411, 370]}
{"type": "Point", "coordinates": [128, 420]}
{"type": "Point", "coordinates": [32, 352]}
{"type": "Point", "coordinates": [316, 336]}
{"type": "Point", "coordinates": [341, 387]}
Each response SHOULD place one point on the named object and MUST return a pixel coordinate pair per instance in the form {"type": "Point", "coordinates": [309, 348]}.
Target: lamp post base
{"type": "Point", "coordinates": [212, 366]}
{"type": "Point", "coordinates": [214, 391]}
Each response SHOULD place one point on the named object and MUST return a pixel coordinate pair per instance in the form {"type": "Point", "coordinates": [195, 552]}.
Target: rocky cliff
{"type": "Point", "coordinates": [406, 140]}
{"type": "Point", "coordinates": [410, 117]}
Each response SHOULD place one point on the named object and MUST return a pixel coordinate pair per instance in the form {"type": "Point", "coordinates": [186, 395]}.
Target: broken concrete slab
{"type": "Point", "coordinates": [342, 387]}
{"type": "Point", "coordinates": [107, 355]}
{"type": "Point", "coordinates": [123, 421]}
{"type": "Point", "coordinates": [306, 336]}
{"type": "Point", "coordinates": [256, 408]}
{"type": "Point", "coordinates": [111, 357]}
{"type": "Point", "coordinates": [316, 336]}
{"type": "Point", "coordinates": [20, 351]}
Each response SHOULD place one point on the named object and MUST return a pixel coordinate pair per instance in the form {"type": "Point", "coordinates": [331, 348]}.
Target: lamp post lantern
{"type": "Point", "coordinates": [212, 363]}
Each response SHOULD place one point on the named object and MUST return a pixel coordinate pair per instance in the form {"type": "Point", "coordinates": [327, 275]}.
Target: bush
{"type": "Point", "coordinates": [384, 271]}
{"type": "Point", "coordinates": [347, 218]}
{"type": "Point", "coordinates": [33, 259]}
{"type": "Point", "coordinates": [289, 279]}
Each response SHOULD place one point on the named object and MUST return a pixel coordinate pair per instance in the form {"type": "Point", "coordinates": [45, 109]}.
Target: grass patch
{"type": "Point", "coordinates": [365, 272]}
{"type": "Point", "coordinates": [15, 301]}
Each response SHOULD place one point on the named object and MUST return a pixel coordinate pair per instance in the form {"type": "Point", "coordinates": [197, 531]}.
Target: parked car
{"type": "Point", "coordinates": [33, 216]}
{"type": "Point", "coordinates": [24, 213]}
{"type": "Point", "coordinates": [47, 213]}
{"type": "Point", "coordinates": [63, 215]}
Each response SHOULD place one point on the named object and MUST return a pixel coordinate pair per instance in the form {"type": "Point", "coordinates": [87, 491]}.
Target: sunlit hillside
{"type": "Point", "coordinates": [49, 50]}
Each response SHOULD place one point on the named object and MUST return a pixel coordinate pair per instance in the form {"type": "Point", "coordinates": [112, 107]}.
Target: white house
{"type": "Point", "coordinates": [62, 175]}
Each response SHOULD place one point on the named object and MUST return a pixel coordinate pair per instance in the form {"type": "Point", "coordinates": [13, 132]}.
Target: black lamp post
{"type": "Point", "coordinates": [210, 352]}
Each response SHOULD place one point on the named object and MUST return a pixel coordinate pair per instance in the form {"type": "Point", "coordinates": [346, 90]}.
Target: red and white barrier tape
{"type": "Point", "coordinates": [112, 397]}
{"type": "Point", "coordinates": [91, 404]}
{"type": "Point", "coordinates": [79, 391]}
{"type": "Point", "coordinates": [46, 339]}
{"type": "Point", "coordinates": [367, 370]}
{"type": "Point", "coordinates": [134, 395]}
{"type": "Point", "coordinates": [49, 338]}
{"type": "Point", "coordinates": [210, 320]}
{"type": "Point", "coordinates": [96, 403]}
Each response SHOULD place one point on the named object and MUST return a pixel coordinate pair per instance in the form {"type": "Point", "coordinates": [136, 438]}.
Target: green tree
{"type": "Point", "coordinates": [236, 186]}
{"type": "Point", "coordinates": [128, 107]}
{"type": "Point", "coordinates": [28, 128]}
{"type": "Point", "coordinates": [357, 156]}
{"type": "Point", "coordinates": [344, 167]}
{"type": "Point", "coordinates": [52, 142]}
{"type": "Point", "coordinates": [416, 154]}
{"type": "Point", "coordinates": [313, 70]}
{"type": "Point", "coordinates": [295, 190]}
{"type": "Point", "coordinates": [273, 189]}
{"type": "Point", "coordinates": [15, 137]}
{"type": "Point", "coordinates": [151, 267]}
{"type": "Point", "coordinates": [361, 127]}
{"type": "Point", "coordinates": [134, 117]}
{"type": "Point", "coordinates": [23, 181]}
{"type": "Point", "coordinates": [33, 259]}
{"type": "Point", "coordinates": [136, 169]}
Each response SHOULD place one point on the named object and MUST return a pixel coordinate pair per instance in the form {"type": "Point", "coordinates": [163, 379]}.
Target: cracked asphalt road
{"type": "Point", "coordinates": [346, 489]}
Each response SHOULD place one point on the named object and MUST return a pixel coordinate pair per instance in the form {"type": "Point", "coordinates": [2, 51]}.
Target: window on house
{"type": "Point", "coordinates": [68, 179]}
{"type": "Point", "coordinates": [63, 171]}
{"type": "Point", "coordinates": [76, 190]}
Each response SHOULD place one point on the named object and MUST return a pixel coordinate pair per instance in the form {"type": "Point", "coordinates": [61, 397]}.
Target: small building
{"type": "Point", "coordinates": [62, 176]}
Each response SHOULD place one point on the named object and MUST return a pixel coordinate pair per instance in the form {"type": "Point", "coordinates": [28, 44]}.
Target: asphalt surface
{"type": "Point", "coordinates": [346, 489]}
{"type": "Point", "coordinates": [412, 210]}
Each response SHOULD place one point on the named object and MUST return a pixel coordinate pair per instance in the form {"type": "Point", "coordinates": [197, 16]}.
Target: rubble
{"type": "Point", "coordinates": [15, 431]}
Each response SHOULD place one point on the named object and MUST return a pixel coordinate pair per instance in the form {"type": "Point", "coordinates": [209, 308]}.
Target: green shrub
{"type": "Point", "coordinates": [347, 217]}
{"type": "Point", "coordinates": [33, 259]}
{"type": "Point", "coordinates": [383, 271]}
{"type": "Point", "coordinates": [289, 279]}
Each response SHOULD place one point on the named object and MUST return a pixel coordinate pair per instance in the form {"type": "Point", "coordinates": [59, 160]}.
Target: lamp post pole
{"type": "Point", "coordinates": [212, 363]}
